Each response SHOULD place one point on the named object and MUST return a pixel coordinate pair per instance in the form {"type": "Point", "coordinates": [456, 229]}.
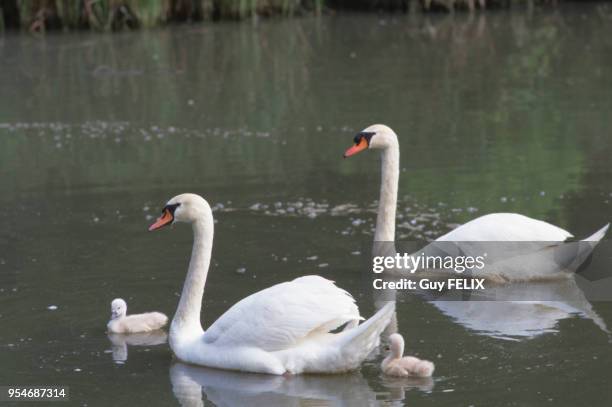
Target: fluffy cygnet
{"type": "Point", "coordinates": [124, 324]}
{"type": "Point", "coordinates": [396, 365]}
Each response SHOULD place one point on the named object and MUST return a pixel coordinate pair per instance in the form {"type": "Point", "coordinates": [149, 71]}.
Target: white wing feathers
{"type": "Point", "coordinates": [509, 227]}
{"type": "Point", "coordinates": [281, 316]}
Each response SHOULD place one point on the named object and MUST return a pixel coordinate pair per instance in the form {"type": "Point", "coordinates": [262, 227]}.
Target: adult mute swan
{"type": "Point", "coordinates": [495, 227]}
{"type": "Point", "coordinates": [395, 364]}
{"type": "Point", "coordinates": [284, 329]}
{"type": "Point", "coordinates": [121, 323]}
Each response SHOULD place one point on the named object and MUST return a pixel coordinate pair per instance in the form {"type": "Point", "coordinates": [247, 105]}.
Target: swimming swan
{"type": "Point", "coordinates": [495, 227]}
{"type": "Point", "coordinates": [403, 366]}
{"type": "Point", "coordinates": [284, 329]}
{"type": "Point", "coordinates": [121, 323]}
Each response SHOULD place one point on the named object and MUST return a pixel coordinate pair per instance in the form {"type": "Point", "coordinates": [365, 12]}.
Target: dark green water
{"type": "Point", "coordinates": [500, 112]}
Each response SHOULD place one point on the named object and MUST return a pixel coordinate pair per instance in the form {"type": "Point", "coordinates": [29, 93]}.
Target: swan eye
{"type": "Point", "coordinates": [171, 208]}
{"type": "Point", "coordinates": [367, 135]}
{"type": "Point", "coordinates": [166, 218]}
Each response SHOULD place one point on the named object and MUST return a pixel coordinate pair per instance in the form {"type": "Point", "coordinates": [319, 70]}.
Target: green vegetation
{"type": "Point", "coordinates": [103, 15]}
{"type": "Point", "coordinates": [116, 15]}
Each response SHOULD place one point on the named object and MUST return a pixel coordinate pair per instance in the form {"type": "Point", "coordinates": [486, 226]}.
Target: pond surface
{"type": "Point", "coordinates": [499, 112]}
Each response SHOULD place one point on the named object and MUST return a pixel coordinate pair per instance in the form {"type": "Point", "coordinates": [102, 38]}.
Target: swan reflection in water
{"type": "Point", "coordinates": [193, 384]}
{"type": "Point", "coordinates": [120, 342]}
{"type": "Point", "coordinates": [514, 311]}
{"type": "Point", "coordinates": [521, 310]}
{"type": "Point", "coordinates": [398, 386]}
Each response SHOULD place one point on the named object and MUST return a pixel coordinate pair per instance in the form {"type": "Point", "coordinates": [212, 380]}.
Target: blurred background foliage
{"type": "Point", "coordinates": [116, 15]}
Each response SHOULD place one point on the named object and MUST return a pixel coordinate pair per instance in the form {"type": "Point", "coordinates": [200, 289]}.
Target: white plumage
{"type": "Point", "coordinates": [541, 258]}
{"type": "Point", "coordinates": [282, 329]}
{"type": "Point", "coordinates": [286, 314]}
{"type": "Point", "coordinates": [403, 366]}
{"type": "Point", "coordinates": [510, 227]}
{"type": "Point", "coordinates": [125, 324]}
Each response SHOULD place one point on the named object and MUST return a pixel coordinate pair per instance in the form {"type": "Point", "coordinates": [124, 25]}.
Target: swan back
{"type": "Point", "coordinates": [280, 316]}
{"type": "Point", "coordinates": [146, 322]}
{"type": "Point", "coordinates": [507, 227]}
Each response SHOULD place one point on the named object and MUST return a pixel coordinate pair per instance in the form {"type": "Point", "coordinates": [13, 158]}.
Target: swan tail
{"type": "Point", "coordinates": [591, 314]}
{"type": "Point", "coordinates": [584, 248]}
{"type": "Point", "coordinates": [357, 343]}
{"type": "Point", "coordinates": [592, 241]}
{"type": "Point", "coordinates": [597, 236]}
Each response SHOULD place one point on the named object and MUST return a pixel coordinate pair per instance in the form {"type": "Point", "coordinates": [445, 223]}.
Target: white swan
{"type": "Point", "coordinates": [121, 323]}
{"type": "Point", "coordinates": [396, 364]}
{"type": "Point", "coordinates": [495, 227]}
{"type": "Point", "coordinates": [284, 329]}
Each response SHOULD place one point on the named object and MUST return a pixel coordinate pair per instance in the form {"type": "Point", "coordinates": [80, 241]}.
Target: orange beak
{"type": "Point", "coordinates": [162, 221]}
{"type": "Point", "coordinates": [363, 144]}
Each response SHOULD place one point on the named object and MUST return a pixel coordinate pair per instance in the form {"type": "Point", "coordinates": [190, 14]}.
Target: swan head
{"type": "Point", "coordinates": [186, 208]}
{"type": "Point", "coordinates": [396, 345]}
{"type": "Point", "coordinates": [376, 136]}
{"type": "Point", "coordinates": [118, 308]}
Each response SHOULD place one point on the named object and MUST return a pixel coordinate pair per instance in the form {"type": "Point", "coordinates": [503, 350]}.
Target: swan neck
{"type": "Point", "coordinates": [187, 315]}
{"type": "Point", "coordinates": [387, 203]}
{"type": "Point", "coordinates": [397, 350]}
{"type": "Point", "coordinates": [388, 359]}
